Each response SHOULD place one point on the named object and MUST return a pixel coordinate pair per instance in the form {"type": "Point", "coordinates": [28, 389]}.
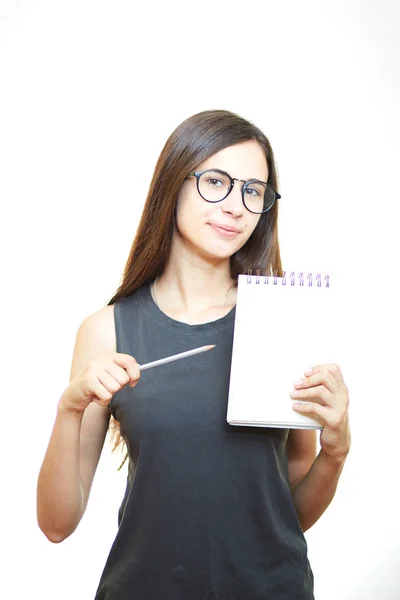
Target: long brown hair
{"type": "Point", "coordinates": [192, 142]}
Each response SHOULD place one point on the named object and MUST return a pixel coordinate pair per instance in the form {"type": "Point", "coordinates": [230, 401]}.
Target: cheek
{"type": "Point", "coordinates": [189, 213]}
{"type": "Point", "coordinates": [252, 223]}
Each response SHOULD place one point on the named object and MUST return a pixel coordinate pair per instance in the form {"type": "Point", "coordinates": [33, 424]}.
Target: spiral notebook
{"type": "Point", "coordinates": [283, 326]}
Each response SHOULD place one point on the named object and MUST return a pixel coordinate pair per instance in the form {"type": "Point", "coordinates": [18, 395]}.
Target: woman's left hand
{"type": "Point", "coordinates": [327, 400]}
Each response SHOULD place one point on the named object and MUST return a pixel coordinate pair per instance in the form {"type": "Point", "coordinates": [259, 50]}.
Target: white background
{"type": "Point", "coordinates": [90, 91]}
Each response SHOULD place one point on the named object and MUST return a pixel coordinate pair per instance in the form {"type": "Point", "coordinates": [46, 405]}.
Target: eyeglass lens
{"type": "Point", "coordinates": [215, 186]}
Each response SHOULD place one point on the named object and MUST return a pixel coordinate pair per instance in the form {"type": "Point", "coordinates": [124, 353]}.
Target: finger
{"type": "Point", "coordinates": [111, 384]}
{"type": "Point", "coordinates": [321, 378]}
{"type": "Point", "coordinates": [128, 363]}
{"type": "Point", "coordinates": [333, 368]}
{"type": "Point", "coordinates": [118, 373]}
{"type": "Point", "coordinates": [332, 419]}
{"type": "Point", "coordinates": [318, 394]}
{"type": "Point", "coordinates": [101, 395]}
{"type": "Point", "coordinates": [313, 410]}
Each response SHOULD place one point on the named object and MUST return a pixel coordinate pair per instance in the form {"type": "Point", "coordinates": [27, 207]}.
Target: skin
{"type": "Point", "coordinates": [199, 263]}
{"type": "Point", "coordinates": [195, 287]}
{"type": "Point", "coordinates": [197, 277]}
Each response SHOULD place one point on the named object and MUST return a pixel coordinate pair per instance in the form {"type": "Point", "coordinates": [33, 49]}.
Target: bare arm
{"type": "Point", "coordinates": [76, 441]}
{"type": "Point", "coordinates": [313, 479]}
{"type": "Point", "coordinates": [324, 397]}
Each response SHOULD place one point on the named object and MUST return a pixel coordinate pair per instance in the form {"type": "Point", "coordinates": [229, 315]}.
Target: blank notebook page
{"type": "Point", "coordinates": [283, 326]}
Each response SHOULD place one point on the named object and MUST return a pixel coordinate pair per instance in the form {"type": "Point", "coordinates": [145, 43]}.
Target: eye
{"type": "Point", "coordinates": [214, 182]}
{"type": "Point", "coordinates": [252, 192]}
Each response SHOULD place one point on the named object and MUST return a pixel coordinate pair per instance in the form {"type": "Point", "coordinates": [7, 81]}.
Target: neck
{"type": "Point", "coordinates": [193, 290]}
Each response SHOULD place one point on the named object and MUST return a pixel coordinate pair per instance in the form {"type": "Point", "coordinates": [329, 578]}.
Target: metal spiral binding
{"type": "Point", "coordinates": [295, 279]}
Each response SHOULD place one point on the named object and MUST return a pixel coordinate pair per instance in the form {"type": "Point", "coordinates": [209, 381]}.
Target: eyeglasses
{"type": "Point", "coordinates": [215, 185]}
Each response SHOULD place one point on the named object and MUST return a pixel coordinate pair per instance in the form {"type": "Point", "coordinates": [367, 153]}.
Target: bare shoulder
{"type": "Point", "coordinates": [100, 324]}
{"type": "Point", "coordinates": [96, 335]}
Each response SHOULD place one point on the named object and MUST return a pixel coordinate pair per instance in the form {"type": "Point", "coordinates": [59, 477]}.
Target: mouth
{"type": "Point", "coordinates": [224, 230]}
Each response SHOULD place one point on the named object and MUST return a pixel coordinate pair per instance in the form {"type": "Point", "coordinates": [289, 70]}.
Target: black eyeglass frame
{"type": "Point", "coordinates": [232, 180]}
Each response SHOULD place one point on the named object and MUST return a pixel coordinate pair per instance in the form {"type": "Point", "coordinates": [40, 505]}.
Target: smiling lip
{"type": "Point", "coordinates": [225, 230]}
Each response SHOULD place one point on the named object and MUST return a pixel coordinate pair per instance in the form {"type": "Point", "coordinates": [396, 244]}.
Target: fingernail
{"type": "Point", "coordinates": [299, 382]}
{"type": "Point", "coordinates": [309, 371]}
{"type": "Point", "coordinates": [295, 393]}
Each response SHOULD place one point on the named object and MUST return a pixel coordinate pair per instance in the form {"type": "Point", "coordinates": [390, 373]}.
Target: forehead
{"type": "Point", "coordinates": [246, 160]}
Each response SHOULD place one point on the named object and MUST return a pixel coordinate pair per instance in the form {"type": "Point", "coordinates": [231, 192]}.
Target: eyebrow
{"type": "Point", "coordinates": [236, 178]}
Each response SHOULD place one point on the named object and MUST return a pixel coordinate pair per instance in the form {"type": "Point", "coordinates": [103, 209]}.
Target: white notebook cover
{"type": "Point", "coordinates": [280, 331]}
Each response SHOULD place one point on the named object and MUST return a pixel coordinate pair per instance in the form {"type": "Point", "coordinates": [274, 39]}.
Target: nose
{"type": "Point", "coordinates": [233, 203]}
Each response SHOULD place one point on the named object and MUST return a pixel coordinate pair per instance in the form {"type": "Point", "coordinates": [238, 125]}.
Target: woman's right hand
{"type": "Point", "coordinates": [99, 381]}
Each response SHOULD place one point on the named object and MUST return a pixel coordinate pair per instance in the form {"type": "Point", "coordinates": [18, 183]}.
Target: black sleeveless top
{"type": "Point", "coordinates": [207, 513]}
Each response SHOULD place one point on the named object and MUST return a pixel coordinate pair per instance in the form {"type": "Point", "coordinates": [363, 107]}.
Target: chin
{"type": "Point", "coordinates": [211, 249]}
{"type": "Point", "coordinates": [220, 253]}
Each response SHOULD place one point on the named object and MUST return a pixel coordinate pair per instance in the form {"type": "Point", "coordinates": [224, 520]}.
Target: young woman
{"type": "Point", "coordinates": [210, 511]}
